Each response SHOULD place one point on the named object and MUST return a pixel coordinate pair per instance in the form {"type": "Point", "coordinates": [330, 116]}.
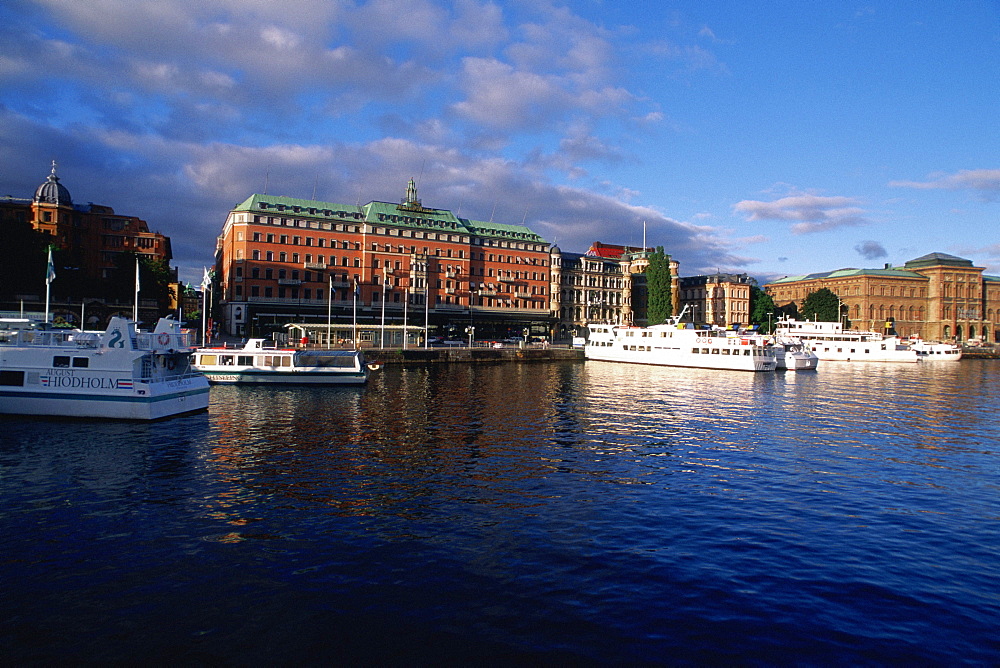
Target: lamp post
{"type": "Point", "coordinates": [385, 295]}
{"type": "Point", "coordinates": [472, 303]}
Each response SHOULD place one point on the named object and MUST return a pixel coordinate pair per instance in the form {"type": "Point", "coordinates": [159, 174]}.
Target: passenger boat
{"type": "Point", "coordinates": [120, 373]}
{"type": "Point", "coordinates": [829, 341]}
{"type": "Point", "coordinates": [679, 344]}
{"type": "Point", "coordinates": [936, 351]}
{"type": "Point", "coordinates": [791, 354]}
{"type": "Point", "coordinates": [255, 363]}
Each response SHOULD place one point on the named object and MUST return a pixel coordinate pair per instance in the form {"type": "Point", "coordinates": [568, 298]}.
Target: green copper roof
{"type": "Point", "coordinates": [938, 259]}
{"type": "Point", "coordinates": [386, 213]}
{"type": "Point", "coordinates": [848, 273]}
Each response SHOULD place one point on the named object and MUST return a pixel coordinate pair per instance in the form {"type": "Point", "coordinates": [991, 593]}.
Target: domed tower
{"type": "Point", "coordinates": [53, 192]}
{"type": "Point", "coordinates": [53, 209]}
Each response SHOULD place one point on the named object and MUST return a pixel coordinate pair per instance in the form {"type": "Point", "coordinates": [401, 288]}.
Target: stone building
{"type": "Point", "coordinates": [935, 296]}
{"type": "Point", "coordinates": [92, 235]}
{"type": "Point", "coordinates": [717, 299]}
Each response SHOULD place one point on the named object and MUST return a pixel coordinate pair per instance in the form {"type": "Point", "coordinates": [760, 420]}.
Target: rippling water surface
{"type": "Point", "coordinates": [547, 513]}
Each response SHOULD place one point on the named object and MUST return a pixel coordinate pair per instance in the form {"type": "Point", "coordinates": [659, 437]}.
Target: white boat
{"type": "Point", "coordinates": [254, 364]}
{"type": "Point", "coordinates": [118, 373]}
{"type": "Point", "coordinates": [791, 354]}
{"type": "Point", "coordinates": [678, 344]}
{"type": "Point", "coordinates": [936, 351]}
{"type": "Point", "coordinates": [830, 342]}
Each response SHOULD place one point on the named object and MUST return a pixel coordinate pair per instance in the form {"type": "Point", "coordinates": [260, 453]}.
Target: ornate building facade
{"type": "Point", "coordinates": [281, 260]}
{"type": "Point", "coordinates": [936, 297]}
{"type": "Point", "coordinates": [92, 235]}
{"type": "Point", "coordinates": [717, 299]}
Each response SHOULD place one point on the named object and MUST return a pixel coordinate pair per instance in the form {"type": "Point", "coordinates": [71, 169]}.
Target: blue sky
{"type": "Point", "coordinates": [773, 138]}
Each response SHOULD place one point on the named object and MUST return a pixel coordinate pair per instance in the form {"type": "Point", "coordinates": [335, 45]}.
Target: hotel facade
{"type": "Point", "coordinates": [281, 260]}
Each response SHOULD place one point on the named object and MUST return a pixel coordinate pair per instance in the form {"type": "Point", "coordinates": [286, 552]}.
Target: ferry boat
{"type": "Point", "coordinates": [678, 344]}
{"type": "Point", "coordinates": [254, 364]}
{"type": "Point", "coordinates": [935, 351]}
{"type": "Point", "coordinates": [791, 354]}
{"type": "Point", "coordinates": [120, 373]}
{"type": "Point", "coordinates": [829, 341]}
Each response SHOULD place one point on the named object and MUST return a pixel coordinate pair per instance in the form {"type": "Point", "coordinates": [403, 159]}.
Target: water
{"type": "Point", "coordinates": [548, 513]}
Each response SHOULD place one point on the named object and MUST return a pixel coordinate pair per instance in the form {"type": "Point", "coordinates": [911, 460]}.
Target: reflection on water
{"type": "Point", "coordinates": [574, 512]}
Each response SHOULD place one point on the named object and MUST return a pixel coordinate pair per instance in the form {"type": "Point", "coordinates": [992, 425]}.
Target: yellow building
{"type": "Point", "coordinates": [936, 297]}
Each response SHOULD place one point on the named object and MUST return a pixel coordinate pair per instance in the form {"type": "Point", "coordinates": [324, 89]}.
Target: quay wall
{"type": "Point", "coordinates": [471, 355]}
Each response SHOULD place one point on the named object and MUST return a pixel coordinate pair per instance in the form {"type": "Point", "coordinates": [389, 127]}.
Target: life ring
{"type": "Point", "coordinates": [170, 363]}
{"type": "Point", "coordinates": [163, 338]}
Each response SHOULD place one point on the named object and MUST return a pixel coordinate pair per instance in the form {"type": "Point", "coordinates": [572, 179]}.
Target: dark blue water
{"type": "Point", "coordinates": [548, 513]}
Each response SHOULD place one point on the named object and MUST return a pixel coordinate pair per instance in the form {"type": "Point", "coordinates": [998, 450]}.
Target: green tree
{"type": "Point", "coordinates": [154, 279]}
{"type": "Point", "coordinates": [822, 305]}
{"type": "Point", "coordinates": [660, 303]}
{"type": "Point", "coordinates": [763, 311]}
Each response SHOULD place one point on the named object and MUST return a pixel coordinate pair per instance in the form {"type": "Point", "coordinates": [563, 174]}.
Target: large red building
{"type": "Point", "coordinates": [281, 260]}
{"type": "Point", "coordinates": [92, 235]}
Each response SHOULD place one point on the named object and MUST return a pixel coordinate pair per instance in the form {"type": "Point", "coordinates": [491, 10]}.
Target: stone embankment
{"type": "Point", "coordinates": [981, 352]}
{"type": "Point", "coordinates": [471, 355]}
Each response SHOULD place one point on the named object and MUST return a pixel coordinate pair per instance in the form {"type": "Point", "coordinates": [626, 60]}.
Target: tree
{"type": "Point", "coordinates": [762, 309]}
{"type": "Point", "coordinates": [822, 305]}
{"type": "Point", "coordinates": [660, 302]}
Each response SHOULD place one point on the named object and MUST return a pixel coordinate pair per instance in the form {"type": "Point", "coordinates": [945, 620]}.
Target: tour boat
{"type": "Point", "coordinates": [679, 344]}
{"type": "Point", "coordinates": [829, 341]}
{"type": "Point", "coordinates": [935, 351]}
{"type": "Point", "coordinates": [791, 354]}
{"type": "Point", "coordinates": [120, 373]}
{"type": "Point", "coordinates": [254, 363]}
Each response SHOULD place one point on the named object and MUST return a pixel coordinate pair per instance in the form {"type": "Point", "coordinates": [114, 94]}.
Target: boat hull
{"type": "Point", "coordinates": [142, 403]}
{"type": "Point", "coordinates": [268, 377]}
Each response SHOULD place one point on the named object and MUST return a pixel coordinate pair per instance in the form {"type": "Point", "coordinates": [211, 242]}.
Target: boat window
{"type": "Point", "coordinates": [60, 361]}
{"type": "Point", "coordinates": [694, 351]}
{"type": "Point", "coordinates": [12, 378]}
{"type": "Point", "coordinates": [747, 352]}
{"type": "Point", "coordinates": [725, 351]}
{"type": "Point", "coordinates": [704, 351]}
{"type": "Point", "coordinates": [208, 360]}
{"type": "Point", "coordinates": [715, 351]}
{"type": "Point", "coordinates": [81, 362]}
{"type": "Point", "coordinates": [244, 360]}
{"type": "Point", "coordinates": [226, 359]}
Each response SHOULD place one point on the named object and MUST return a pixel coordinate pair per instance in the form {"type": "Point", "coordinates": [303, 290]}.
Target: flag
{"type": "Point", "coordinates": [137, 275]}
{"type": "Point", "coordinates": [50, 270]}
{"type": "Point", "coordinates": [357, 288]}
{"type": "Point", "coordinates": [206, 280]}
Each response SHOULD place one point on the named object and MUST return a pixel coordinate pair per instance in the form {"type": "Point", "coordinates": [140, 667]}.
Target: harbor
{"type": "Point", "coordinates": [556, 513]}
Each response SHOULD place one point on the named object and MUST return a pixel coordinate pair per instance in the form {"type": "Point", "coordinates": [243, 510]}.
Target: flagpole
{"type": "Point", "coordinates": [406, 309]}
{"type": "Point", "coordinates": [50, 275]}
{"type": "Point", "coordinates": [329, 311]}
{"type": "Point", "coordinates": [385, 293]}
{"type": "Point", "coordinates": [356, 288]}
{"type": "Point", "coordinates": [135, 309]}
{"type": "Point", "coordinates": [204, 312]}
{"type": "Point", "coordinates": [426, 315]}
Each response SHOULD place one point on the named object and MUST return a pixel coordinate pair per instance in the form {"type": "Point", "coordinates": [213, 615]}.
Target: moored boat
{"type": "Point", "coordinates": [119, 373]}
{"type": "Point", "coordinates": [830, 342]}
{"type": "Point", "coordinates": [256, 364]}
{"type": "Point", "coordinates": [936, 351]}
{"type": "Point", "coordinates": [679, 344]}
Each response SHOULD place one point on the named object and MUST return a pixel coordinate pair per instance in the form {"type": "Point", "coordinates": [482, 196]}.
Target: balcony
{"type": "Point", "coordinates": [314, 265]}
{"type": "Point", "coordinates": [289, 281]}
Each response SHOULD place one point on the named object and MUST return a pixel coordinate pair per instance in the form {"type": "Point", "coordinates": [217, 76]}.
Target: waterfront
{"type": "Point", "coordinates": [514, 513]}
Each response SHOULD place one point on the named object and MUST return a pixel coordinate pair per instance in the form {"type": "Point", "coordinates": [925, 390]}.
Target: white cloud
{"type": "Point", "coordinates": [984, 182]}
{"type": "Point", "coordinates": [811, 213]}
